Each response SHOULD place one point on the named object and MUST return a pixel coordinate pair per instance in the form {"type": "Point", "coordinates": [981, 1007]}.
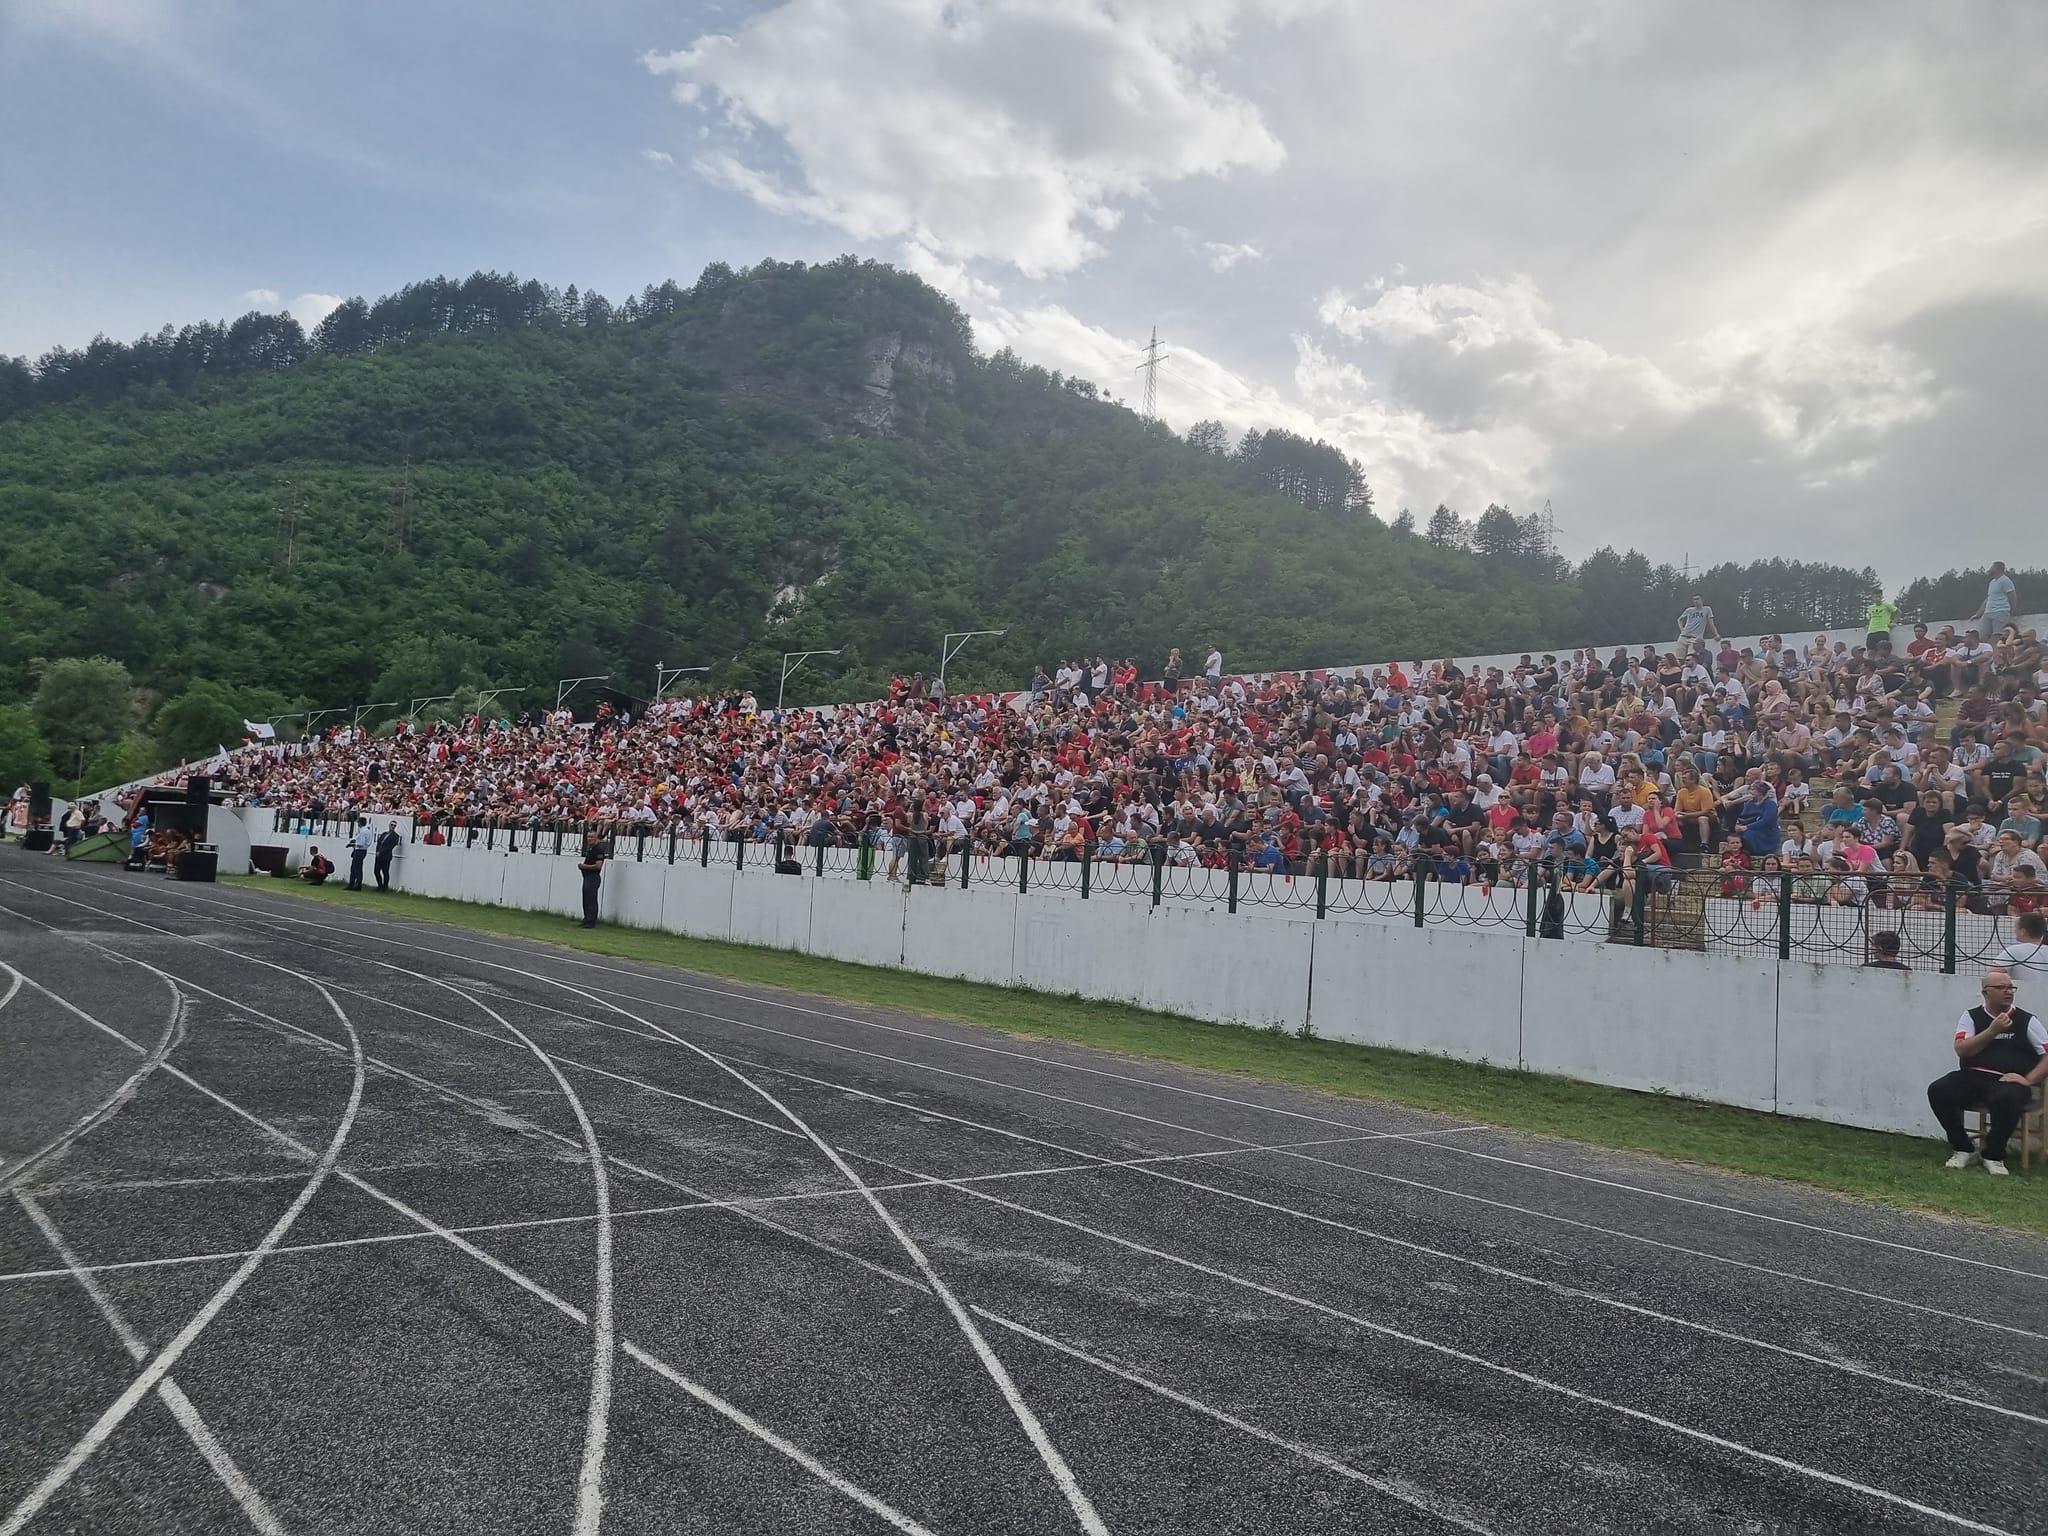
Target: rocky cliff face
{"type": "Point", "coordinates": [891, 362]}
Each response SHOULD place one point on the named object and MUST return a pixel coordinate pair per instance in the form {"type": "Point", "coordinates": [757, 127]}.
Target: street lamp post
{"type": "Point", "coordinates": [417, 704]}
{"type": "Point", "coordinates": [791, 660]}
{"type": "Point", "coordinates": [483, 699]}
{"type": "Point", "coordinates": [664, 675]}
{"type": "Point", "coordinates": [949, 647]}
{"type": "Point", "coordinates": [315, 716]}
{"type": "Point", "coordinates": [569, 685]}
{"type": "Point", "coordinates": [356, 719]}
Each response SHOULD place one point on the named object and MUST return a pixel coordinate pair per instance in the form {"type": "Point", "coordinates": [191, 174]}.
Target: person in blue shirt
{"type": "Point", "coordinates": [1455, 870]}
{"type": "Point", "coordinates": [1756, 822]}
{"type": "Point", "coordinates": [1269, 857]}
{"type": "Point", "coordinates": [138, 841]}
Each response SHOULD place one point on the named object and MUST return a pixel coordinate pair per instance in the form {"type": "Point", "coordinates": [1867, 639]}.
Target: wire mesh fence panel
{"type": "Point", "coordinates": [1194, 882]}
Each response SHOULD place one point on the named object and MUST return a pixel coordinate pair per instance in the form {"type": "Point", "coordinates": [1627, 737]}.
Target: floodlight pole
{"type": "Point", "coordinates": [569, 685]}
{"type": "Point", "coordinates": [438, 698]}
{"type": "Point", "coordinates": [356, 719]}
{"type": "Point", "coordinates": [949, 647]}
{"type": "Point", "coordinates": [483, 699]}
{"type": "Point", "coordinates": [664, 675]}
{"type": "Point", "coordinates": [791, 660]}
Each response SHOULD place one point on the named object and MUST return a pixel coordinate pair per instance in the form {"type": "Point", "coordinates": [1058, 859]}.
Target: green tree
{"type": "Point", "coordinates": [210, 715]}
{"type": "Point", "coordinates": [23, 757]}
{"type": "Point", "coordinates": [82, 705]}
{"type": "Point", "coordinates": [132, 757]}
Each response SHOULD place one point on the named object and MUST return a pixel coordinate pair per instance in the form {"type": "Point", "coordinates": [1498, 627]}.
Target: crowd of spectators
{"type": "Point", "coordinates": [1609, 772]}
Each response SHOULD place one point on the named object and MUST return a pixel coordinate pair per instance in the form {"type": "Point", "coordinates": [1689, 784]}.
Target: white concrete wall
{"type": "Point", "coordinates": [1833, 1042]}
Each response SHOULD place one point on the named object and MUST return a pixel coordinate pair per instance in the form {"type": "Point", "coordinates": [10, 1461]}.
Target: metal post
{"type": "Point", "coordinates": [1421, 890]}
{"type": "Point", "coordinates": [1322, 882]}
{"type": "Point", "coordinates": [1948, 929]}
{"type": "Point", "coordinates": [1534, 902]}
{"type": "Point", "coordinates": [639, 845]}
{"type": "Point", "coordinates": [949, 645]}
{"type": "Point", "coordinates": [1158, 878]}
{"type": "Point", "coordinates": [707, 848]}
{"type": "Point", "coordinates": [791, 660]}
{"type": "Point", "coordinates": [558, 839]}
{"type": "Point", "coordinates": [739, 855]}
{"type": "Point", "coordinates": [966, 862]}
{"type": "Point", "coordinates": [1087, 863]}
{"type": "Point", "coordinates": [1785, 915]}
{"type": "Point", "coordinates": [490, 834]}
{"type": "Point", "coordinates": [671, 843]}
{"type": "Point", "coordinates": [1233, 879]}
{"type": "Point", "coordinates": [821, 860]}
{"type": "Point", "coordinates": [1024, 870]}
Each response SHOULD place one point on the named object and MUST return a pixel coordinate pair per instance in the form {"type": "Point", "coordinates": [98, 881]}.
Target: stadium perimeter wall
{"type": "Point", "coordinates": [1829, 1042]}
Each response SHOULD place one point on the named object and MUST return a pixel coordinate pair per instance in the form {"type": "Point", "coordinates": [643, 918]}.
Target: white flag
{"type": "Point", "coordinates": [220, 761]}
{"type": "Point", "coordinates": [259, 730]}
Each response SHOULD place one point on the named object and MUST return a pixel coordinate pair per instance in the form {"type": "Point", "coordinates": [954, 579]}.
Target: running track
{"type": "Point", "coordinates": [318, 1221]}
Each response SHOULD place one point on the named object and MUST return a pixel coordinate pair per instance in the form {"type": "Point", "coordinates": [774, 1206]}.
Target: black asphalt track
{"type": "Point", "coordinates": [247, 1283]}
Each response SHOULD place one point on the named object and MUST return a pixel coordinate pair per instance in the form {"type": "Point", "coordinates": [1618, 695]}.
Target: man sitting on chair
{"type": "Point", "coordinates": [2004, 1054]}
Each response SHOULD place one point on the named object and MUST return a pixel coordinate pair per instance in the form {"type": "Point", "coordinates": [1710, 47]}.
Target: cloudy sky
{"type": "Point", "coordinates": [1718, 281]}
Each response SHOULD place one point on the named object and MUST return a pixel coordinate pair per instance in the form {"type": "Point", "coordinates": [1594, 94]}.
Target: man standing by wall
{"type": "Point", "coordinates": [358, 850]}
{"type": "Point", "coordinates": [387, 849]}
{"type": "Point", "coordinates": [592, 869]}
{"type": "Point", "coordinates": [2003, 1050]}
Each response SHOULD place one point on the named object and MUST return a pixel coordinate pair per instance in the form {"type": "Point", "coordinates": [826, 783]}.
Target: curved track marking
{"type": "Point", "coordinates": [253, 1505]}
{"type": "Point", "coordinates": [1135, 1080]}
{"type": "Point", "coordinates": [160, 1364]}
{"type": "Point", "coordinates": [112, 1104]}
{"type": "Point", "coordinates": [895, 1518]}
{"type": "Point", "coordinates": [1055, 1464]}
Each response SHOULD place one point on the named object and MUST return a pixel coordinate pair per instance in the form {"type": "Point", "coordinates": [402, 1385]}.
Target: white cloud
{"type": "Point", "coordinates": [660, 157]}
{"type": "Point", "coordinates": [949, 277]}
{"type": "Point", "coordinates": [309, 309]}
{"type": "Point", "coordinates": [1005, 131]}
{"type": "Point", "coordinates": [1222, 257]}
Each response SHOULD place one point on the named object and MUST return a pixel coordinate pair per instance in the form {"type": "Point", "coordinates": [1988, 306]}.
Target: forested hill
{"type": "Point", "coordinates": [487, 482]}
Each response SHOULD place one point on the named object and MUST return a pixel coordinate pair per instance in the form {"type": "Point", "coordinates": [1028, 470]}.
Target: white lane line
{"type": "Point", "coordinates": [108, 1107]}
{"type": "Point", "coordinates": [13, 986]}
{"type": "Point", "coordinates": [604, 1328]}
{"type": "Point", "coordinates": [1480, 1362]}
{"type": "Point", "coordinates": [245, 1494]}
{"type": "Point", "coordinates": [1080, 1067]}
{"type": "Point", "coordinates": [165, 1359]}
{"type": "Point", "coordinates": [896, 1519]}
{"type": "Point", "coordinates": [604, 1347]}
{"type": "Point", "coordinates": [1558, 1288]}
{"type": "Point", "coordinates": [734, 1203]}
{"type": "Point", "coordinates": [1513, 1276]}
{"type": "Point", "coordinates": [1553, 1287]}
{"type": "Point", "coordinates": [1053, 1061]}
{"type": "Point", "coordinates": [1423, 1186]}
{"type": "Point", "coordinates": [1681, 1429]}
{"type": "Point", "coordinates": [1406, 1493]}
{"type": "Point", "coordinates": [1085, 1513]}
{"type": "Point", "coordinates": [896, 1276]}
{"type": "Point", "coordinates": [577, 1315]}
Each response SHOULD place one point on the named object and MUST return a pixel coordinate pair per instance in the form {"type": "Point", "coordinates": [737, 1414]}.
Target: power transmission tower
{"type": "Point", "coordinates": [1150, 368]}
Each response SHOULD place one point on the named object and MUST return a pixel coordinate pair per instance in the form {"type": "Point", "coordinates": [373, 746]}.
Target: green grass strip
{"type": "Point", "coordinates": [1896, 1170]}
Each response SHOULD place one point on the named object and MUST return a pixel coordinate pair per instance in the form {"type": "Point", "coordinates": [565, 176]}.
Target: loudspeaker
{"type": "Point", "coordinates": [37, 840]}
{"type": "Point", "coordinates": [198, 797]}
{"type": "Point", "coordinates": [197, 864]}
{"type": "Point", "coordinates": [38, 802]}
